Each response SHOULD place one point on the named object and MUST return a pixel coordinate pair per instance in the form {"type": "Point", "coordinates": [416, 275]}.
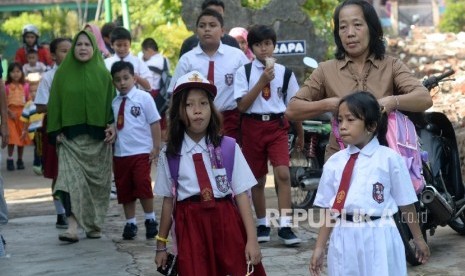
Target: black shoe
{"type": "Point", "coordinates": [10, 165]}
{"type": "Point", "coordinates": [288, 237]}
{"type": "Point", "coordinates": [130, 231]}
{"type": "Point", "coordinates": [62, 222]}
{"type": "Point", "coordinates": [20, 164]}
{"type": "Point", "coordinates": [151, 230]}
{"type": "Point", "coordinates": [263, 233]}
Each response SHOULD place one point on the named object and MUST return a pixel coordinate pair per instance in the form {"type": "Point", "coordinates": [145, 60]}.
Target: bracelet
{"type": "Point", "coordinates": [158, 238]}
{"type": "Point", "coordinates": [161, 249]}
{"type": "Point", "coordinates": [397, 102]}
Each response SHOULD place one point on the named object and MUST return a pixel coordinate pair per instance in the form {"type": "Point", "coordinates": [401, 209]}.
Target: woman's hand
{"type": "Point", "coordinates": [316, 262]}
{"type": "Point", "coordinates": [252, 252]}
{"type": "Point", "coordinates": [422, 252]}
{"type": "Point", "coordinates": [388, 103]}
{"type": "Point", "coordinates": [160, 259]}
{"type": "Point", "coordinates": [60, 138]}
{"type": "Point", "coordinates": [110, 134]}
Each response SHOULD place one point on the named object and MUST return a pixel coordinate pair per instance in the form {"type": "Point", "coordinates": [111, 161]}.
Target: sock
{"type": "Point", "coordinates": [150, 216]}
{"type": "Point", "coordinates": [285, 221]}
{"type": "Point", "coordinates": [262, 221]}
{"type": "Point", "coordinates": [132, 220]}
{"type": "Point", "coordinates": [58, 207]}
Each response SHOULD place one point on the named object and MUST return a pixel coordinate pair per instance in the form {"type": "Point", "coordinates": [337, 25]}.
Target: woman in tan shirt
{"type": "Point", "coordinates": [360, 64]}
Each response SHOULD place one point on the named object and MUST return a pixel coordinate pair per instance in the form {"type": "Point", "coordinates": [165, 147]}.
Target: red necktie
{"type": "Point", "coordinates": [206, 191]}
{"type": "Point", "coordinates": [120, 119]}
{"type": "Point", "coordinates": [211, 72]}
{"type": "Point", "coordinates": [266, 92]}
{"type": "Point", "coordinates": [345, 183]}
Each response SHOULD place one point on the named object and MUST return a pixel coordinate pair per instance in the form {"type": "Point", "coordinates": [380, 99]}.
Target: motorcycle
{"type": "Point", "coordinates": [442, 201]}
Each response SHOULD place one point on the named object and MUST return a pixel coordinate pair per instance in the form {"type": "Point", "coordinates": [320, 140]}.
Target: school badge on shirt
{"type": "Point", "coordinates": [135, 111]}
{"type": "Point", "coordinates": [229, 79]}
{"type": "Point", "coordinates": [222, 183]}
{"type": "Point", "coordinates": [378, 192]}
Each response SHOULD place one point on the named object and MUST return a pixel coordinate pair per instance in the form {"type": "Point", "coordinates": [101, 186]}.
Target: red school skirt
{"type": "Point", "coordinates": [211, 241]}
{"type": "Point", "coordinates": [49, 154]}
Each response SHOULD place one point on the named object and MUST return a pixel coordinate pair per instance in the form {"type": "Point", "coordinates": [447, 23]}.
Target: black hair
{"type": "Point", "coordinates": [31, 51]}
{"type": "Point", "coordinates": [107, 28]}
{"type": "Point", "coordinates": [210, 12]}
{"type": "Point", "coordinates": [364, 106]}
{"type": "Point", "coordinates": [377, 45]}
{"type": "Point", "coordinates": [259, 33]}
{"type": "Point", "coordinates": [54, 44]}
{"type": "Point", "coordinates": [120, 33]}
{"type": "Point", "coordinates": [178, 122]}
{"type": "Point", "coordinates": [150, 43]}
{"type": "Point", "coordinates": [11, 67]}
{"type": "Point", "coordinates": [120, 66]}
{"type": "Point", "coordinates": [208, 3]}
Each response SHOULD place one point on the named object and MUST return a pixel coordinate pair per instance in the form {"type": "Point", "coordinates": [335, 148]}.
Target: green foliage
{"type": "Point", "coordinates": [453, 19]}
{"type": "Point", "coordinates": [159, 20]}
{"type": "Point", "coordinates": [14, 25]}
{"type": "Point", "coordinates": [320, 13]}
{"type": "Point", "coordinates": [254, 4]}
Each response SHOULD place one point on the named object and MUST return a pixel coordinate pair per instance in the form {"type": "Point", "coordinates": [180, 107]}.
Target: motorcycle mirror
{"type": "Point", "coordinates": [310, 62]}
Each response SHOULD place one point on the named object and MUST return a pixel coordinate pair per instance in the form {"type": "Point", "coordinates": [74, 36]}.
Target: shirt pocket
{"type": "Point", "coordinates": [221, 180]}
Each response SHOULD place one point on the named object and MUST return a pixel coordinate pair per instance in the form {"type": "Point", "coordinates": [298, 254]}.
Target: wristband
{"type": "Point", "coordinates": [158, 238]}
{"type": "Point", "coordinates": [397, 102]}
{"type": "Point", "coordinates": [161, 249]}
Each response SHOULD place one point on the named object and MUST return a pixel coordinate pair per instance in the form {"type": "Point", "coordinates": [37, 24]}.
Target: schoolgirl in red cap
{"type": "Point", "coordinates": [214, 231]}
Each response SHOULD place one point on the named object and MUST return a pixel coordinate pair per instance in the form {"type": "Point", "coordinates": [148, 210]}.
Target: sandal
{"type": "Point", "coordinates": [68, 237]}
{"type": "Point", "coordinates": [94, 234]}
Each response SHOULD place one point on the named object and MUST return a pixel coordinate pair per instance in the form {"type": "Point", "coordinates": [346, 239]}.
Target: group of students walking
{"type": "Point", "coordinates": [227, 118]}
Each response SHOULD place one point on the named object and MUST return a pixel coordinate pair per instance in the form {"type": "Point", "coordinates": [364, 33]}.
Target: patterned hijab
{"type": "Point", "coordinates": [81, 92]}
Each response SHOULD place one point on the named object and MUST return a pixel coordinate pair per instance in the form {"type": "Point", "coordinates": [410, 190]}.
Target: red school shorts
{"type": "Point", "coordinates": [231, 123]}
{"type": "Point", "coordinates": [132, 177]}
{"type": "Point", "coordinates": [263, 141]}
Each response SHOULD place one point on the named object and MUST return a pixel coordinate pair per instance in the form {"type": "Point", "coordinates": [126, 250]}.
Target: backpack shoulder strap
{"type": "Point", "coordinates": [286, 79]}
{"type": "Point", "coordinates": [173, 164]}
{"type": "Point", "coordinates": [248, 69]}
{"type": "Point", "coordinates": [228, 147]}
{"type": "Point", "coordinates": [155, 69]}
{"type": "Point", "coordinates": [165, 64]}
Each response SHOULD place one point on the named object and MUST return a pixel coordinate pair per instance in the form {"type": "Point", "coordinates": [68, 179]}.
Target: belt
{"type": "Point", "coordinates": [359, 218]}
{"type": "Point", "coordinates": [197, 198]}
{"type": "Point", "coordinates": [264, 117]}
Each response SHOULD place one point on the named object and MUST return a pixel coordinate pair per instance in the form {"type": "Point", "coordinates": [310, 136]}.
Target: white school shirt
{"type": "Point", "coordinates": [275, 104]}
{"type": "Point", "coordinates": [242, 177]}
{"type": "Point", "coordinates": [380, 181]}
{"type": "Point", "coordinates": [45, 84]}
{"type": "Point", "coordinates": [157, 61]}
{"type": "Point", "coordinates": [139, 113]}
{"type": "Point", "coordinates": [227, 60]}
{"type": "Point", "coordinates": [140, 68]}
{"type": "Point", "coordinates": [38, 68]}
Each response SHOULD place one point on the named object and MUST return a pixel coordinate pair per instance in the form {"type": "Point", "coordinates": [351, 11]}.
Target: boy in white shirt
{"type": "Point", "coordinates": [137, 145]}
{"type": "Point", "coordinates": [121, 43]}
{"type": "Point", "coordinates": [33, 64]}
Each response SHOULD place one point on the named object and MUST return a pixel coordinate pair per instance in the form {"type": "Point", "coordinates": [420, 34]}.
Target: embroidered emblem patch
{"type": "Point", "coordinates": [206, 194]}
{"type": "Point", "coordinates": [229, 79]}
{"type": "Point", "coordinates": [222, 183]}
{"type": "Point", "coordinates": [378, 192]}
{"type": "Point", "coordinates": [135, 111]}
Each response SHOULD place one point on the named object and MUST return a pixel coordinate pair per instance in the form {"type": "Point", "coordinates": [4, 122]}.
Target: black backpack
{"type": "Point", "coordinates": [162, 100]}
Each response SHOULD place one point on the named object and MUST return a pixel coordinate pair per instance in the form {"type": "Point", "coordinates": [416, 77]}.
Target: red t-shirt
{"type": "Point", "coordinates": [44, 56]}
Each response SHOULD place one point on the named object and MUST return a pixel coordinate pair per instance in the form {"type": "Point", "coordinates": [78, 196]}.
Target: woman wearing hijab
{"type": "Point", "coordinates": [80, 121]}
{"type": "Point", "coordinates": [240, 34]}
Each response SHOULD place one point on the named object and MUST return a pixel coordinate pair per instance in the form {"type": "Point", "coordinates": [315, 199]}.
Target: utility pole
{"type": "Point", "coordinates": [435, 7]}
{"type": "Point", "coordinates": [125, 10]}
{"type": "Point", "coordinates": [395, 17]}
{"type": "Point", "coordinates": [108, 11]}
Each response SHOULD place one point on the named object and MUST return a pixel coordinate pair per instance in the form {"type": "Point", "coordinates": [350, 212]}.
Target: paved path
{"type": "Point", "coordinates": [34, 249]}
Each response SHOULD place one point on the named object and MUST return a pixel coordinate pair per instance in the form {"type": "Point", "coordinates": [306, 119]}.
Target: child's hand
{"type": "Point", "coordinates": [11, 114]}
{"type": "Point", "coordinates": [110, 134]}
{"type": "Point", "coordinates": [23, 135]}
{"type": "Point", "coordinates": [316, 262]}
{"type": "Point", "coordinates": [160, 259]}
{"type": "Point", "coordinates": [252, 252]}
{"type": "Point", "coordinates": [422, 250]}
{"type": "Point", "coordinates": [153, 157]}
{"type": "Point", "coordinates": [267, 75]}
